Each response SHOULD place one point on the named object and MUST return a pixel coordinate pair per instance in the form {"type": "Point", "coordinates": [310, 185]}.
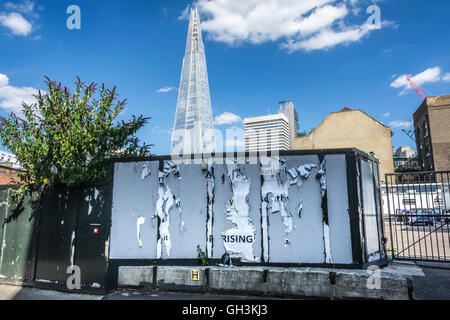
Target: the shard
{"type": "Point", "coordinates": [193, 129]}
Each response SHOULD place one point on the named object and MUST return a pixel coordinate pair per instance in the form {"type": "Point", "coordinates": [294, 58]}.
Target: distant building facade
{"type": "Point", "coordinates": [405, 152]}
{"type": "Point", "coordinates": [287, 108]}
{"type": "Point", "coordinates": [352, 129]}
{"type": "Point", "coordinates": [267, 133]}
{"type": "Point", "coordinates": [9, 160]}
{"type": "Point", "coordinates": [8, 176]}
{"type": "Point", "coordinates": [405, 159]}
{"type": "Point", "coordinates": [9, 166]}
{"type": "Point", "coordinates": [431, 126]}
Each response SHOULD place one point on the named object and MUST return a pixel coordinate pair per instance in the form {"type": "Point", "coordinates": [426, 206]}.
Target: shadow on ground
{"type": "Point", "coordinates": [436, 283]}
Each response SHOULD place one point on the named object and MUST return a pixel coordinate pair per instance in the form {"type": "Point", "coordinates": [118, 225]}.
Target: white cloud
{"type": "Point", "coordinates": [27, 7]}
{"type": "Point", "coordinates": [446, 77]}
{"type": "Point", "coordinates": [11, 98]}
{"type": "Point", "coordinates": [387, 114]}
{"type": "Point", "coordinates": [166, 89]}
{"type": "Point", "coordinates": [327, 38]}
{"type": "Point", "coordinates": [400, 124]}
{"type": "Point", "coordinates": [3, 80]}
{"type": "Point", "coordinates": [185, 14]}
{"type": "Point", "coordinates": [431, 75]}
{"type": "Point", "coordinates": [14, 21]}
{"type": "Point", "coordinates": [300, 25]}
{"type": "Point", "coordinates": [227, 118]}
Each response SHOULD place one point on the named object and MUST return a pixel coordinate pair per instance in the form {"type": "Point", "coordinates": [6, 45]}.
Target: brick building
{"type": "Point", "coordinates": [8, 175]}
{"type": "Point", "coordinates": [431, 126]}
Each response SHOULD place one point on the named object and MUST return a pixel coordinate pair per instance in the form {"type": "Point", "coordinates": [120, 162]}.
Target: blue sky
{"type": "Point", "coordinates": [318, 53]}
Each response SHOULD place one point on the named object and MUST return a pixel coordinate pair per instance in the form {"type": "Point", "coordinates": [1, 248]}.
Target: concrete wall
{"type": "Point", "coordinates": [352, 129]}
{"type": "Point", "coordinates": [272, 281]}
{"type": "Point", "coordinates": [292, 209]}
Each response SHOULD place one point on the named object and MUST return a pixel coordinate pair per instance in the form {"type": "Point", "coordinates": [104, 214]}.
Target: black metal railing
{"type": "Point", "coordinates": [416, 208]}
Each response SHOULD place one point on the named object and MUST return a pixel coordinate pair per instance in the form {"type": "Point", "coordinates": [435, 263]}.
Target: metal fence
{"type": "Point", "coordinates": [417, 215]}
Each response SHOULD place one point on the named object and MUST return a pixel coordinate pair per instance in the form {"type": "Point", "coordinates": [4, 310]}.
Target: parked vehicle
{"type": "Point", "coordinates": [421, 216]}
{"type": "Point", "coordinates": [445, 216]}
{"type": "Point", "coordinates": [400, 215]}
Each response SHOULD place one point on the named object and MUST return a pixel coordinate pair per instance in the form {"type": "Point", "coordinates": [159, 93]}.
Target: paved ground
{"type": "Point", "coordinates": [420, 241]}
{"type": "Point", "coordinates": [9, 292]}
{"type": "Point", "coordinates": [436, 283]}
{"type": "Point", "coordinates": [179, 296]}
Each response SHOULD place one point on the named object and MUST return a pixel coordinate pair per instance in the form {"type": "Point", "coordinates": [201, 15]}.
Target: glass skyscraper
{"type": "Point", "coordinates": [193, 127]}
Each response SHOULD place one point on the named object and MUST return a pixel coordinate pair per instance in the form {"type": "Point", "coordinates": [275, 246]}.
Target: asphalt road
{"type": "Point", "coordinates": [419, 241]}
{"type": "Point", "coordinates": [436, 283]}
{"type": "Point", "coordinates": [9, 292]}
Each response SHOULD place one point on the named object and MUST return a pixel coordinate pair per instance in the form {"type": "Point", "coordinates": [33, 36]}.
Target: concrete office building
{"type": "Point", "coordinates": [267, 133]}
{"type": "Point", "coordinates": [287, 108]}
{"type": "Point", "coordinates": [431, 126]}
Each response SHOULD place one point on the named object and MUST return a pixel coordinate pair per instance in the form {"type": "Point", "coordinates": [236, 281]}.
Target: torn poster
{"type": "Point", "coordinates": [277, 180]}
{"type": "Point", "coordinates": [139, 222]}
{"type": "Point", "coordinates": [165, 201]}
{"type": "Point", "coordinates": [239, 240]}
{"type": "Point", "coordinates": [145, 170]}
{"type": "Point", "coordinates": [322, 176]}
{"type": "Point", "coordinates": [209, 212]}
{"type": "Point", "coordinates": [89, 198]}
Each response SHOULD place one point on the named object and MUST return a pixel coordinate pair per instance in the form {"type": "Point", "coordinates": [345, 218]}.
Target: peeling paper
{"type": "Point", "coordinates": [165, 201]}
{"type": "Point", "coordinates": [209, 212]}
{"type": "Point", "coordinates": [239, 241]}
{"type": "Point", "coordinates": [300, 209]}
{"type": "Point", "coordinates": [178, 205]}
{"type": "Point", "coordinates": [277, 180]}
{"type": "Point", "coordinates": [72, 249]}
{"type": "Point", "coordinates": [323, 179]}
{"type": "Point", "coordinates": [275, 191]}
{"type": "Point", "coordinates": [139, 222]}
{"type": "Point", "coordinates": [163, 205]}
{"type": "Point", "coordinates": [321, 175]}
{"type": "Point", "coordinates": [89, 199]}
{"type": "Point", "coordinates": [145, 170]}
{"type": "Point", "coordinates": [275, 188]}
{"type": "Point", "coordinates": [326, 240]}
{"type": "Point", "coordinates": [300, 172]}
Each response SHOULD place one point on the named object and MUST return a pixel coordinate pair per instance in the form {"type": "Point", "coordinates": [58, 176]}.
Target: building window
{"type": "Point", "coordinates": [425, 128]}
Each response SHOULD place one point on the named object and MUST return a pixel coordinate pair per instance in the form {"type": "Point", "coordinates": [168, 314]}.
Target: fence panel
{"type": "Point", "coordinates": [92, 236]}
{"type": "Point", "coordinates": [418, 215]}
{"type": "Point", "coordinates": [57, 235]}
{"type": "Point", "coordinates": [19, 240]}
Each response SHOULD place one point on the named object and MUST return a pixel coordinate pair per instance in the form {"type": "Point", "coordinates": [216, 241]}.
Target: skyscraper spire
{"type": "Point", "coordinates": [193, 127]}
